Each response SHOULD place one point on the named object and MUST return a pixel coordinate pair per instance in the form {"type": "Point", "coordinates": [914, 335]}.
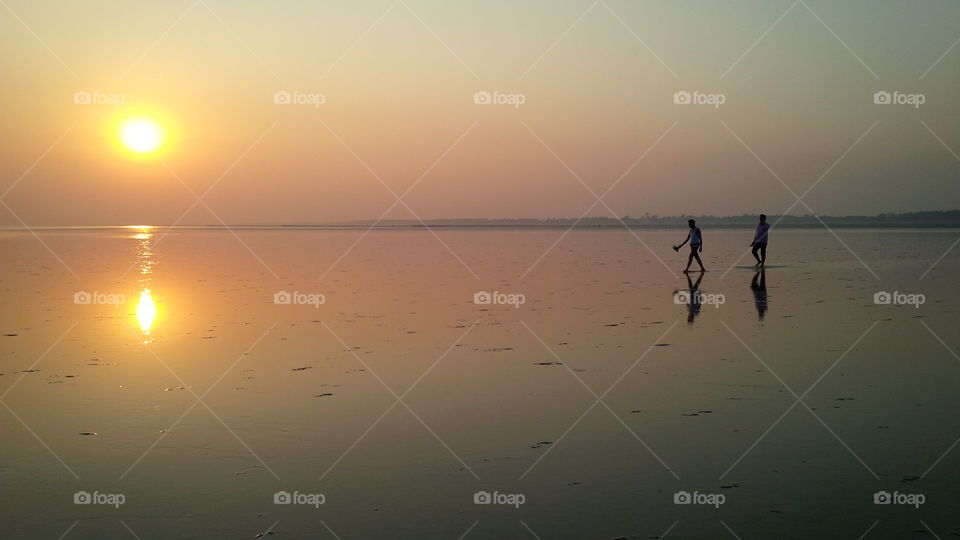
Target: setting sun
{"type": "Point", "coordinates": [141, 135]}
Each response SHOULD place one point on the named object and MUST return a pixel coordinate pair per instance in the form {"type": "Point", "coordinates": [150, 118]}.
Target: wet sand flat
{"type": "Point", "coordinates": [316, 383]}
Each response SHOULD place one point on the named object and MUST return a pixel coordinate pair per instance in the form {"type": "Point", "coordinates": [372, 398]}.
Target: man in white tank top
{"type": "Point", "coordinates": [695, 237]}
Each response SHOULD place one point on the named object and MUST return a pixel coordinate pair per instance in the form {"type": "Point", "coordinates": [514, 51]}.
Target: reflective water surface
{"type": "Point", "coordinates": [202, 374]}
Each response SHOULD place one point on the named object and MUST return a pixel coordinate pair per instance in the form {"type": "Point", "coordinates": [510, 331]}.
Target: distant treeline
{"type": "Point", "coordinates": [946, 218]}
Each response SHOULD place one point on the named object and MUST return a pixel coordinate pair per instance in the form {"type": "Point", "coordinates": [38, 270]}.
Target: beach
{"type": "Point", "coordinates": [494, 383]}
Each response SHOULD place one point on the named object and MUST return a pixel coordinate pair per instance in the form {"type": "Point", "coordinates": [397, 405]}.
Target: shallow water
{"type": "Point", "coordinates": [231, 397]}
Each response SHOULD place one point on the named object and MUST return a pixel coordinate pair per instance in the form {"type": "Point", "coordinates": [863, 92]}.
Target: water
{"type": "Point", "coordinates": [303, 397]}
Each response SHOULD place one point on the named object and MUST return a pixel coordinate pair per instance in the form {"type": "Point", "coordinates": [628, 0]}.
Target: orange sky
{"type": "Point", "coordinates": [398, 80]}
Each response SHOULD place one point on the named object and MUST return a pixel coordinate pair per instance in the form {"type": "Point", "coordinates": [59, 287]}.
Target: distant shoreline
{"type": "Point", "coordinates": [584, 228]}
{"type": "Point", "coordinates": [949, 219]}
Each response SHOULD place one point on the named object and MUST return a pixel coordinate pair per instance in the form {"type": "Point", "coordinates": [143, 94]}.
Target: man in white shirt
{"type": "Point", "coordinates": [695, 237]}
{"type": "Point", "coordinates": [760, 241]}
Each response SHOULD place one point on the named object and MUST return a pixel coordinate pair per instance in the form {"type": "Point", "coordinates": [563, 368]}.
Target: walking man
{"type": "Point", "coordinates": [695, 237]}
{"type": "Point", "coordinates": [760, 241]}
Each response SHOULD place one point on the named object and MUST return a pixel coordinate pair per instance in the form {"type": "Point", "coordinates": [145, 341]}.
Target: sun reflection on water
{"type": "Point", "coordinates": [146, 312]}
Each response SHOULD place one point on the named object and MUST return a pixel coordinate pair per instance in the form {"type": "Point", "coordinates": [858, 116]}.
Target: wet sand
{"type": "Point", "coordinates": [303, 397]}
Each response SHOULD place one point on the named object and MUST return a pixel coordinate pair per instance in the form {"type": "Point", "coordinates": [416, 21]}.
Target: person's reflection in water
{"type": "Point", "coordinates": [693, 298]}
{"type": "Point", "coordinates": [759, 287]}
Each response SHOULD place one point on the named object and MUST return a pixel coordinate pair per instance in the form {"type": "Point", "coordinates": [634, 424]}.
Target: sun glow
{"type": "Point", "coordinates": [141, 135]}
{"type": "Point", "coordinates": [146, 311]}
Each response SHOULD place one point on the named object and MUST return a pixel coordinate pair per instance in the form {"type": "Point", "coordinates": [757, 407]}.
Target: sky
{"type": "Point", "coordinates": [385, 121]}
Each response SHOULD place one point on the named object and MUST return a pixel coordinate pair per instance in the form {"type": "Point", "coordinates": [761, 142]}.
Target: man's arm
{"type": "Point", "coordinates": [685, 240]}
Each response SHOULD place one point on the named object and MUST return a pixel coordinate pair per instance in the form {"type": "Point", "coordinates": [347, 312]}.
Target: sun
{"type": "Point", "coordinates": [141, 135]}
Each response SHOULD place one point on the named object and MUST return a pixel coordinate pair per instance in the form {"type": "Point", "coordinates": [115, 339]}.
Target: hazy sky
{"type": "Point", "coordinates": [398, 80]}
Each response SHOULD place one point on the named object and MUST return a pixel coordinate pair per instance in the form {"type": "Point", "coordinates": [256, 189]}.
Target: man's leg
{"type": "Point", "coordinates": [763, 254]}
{"type": "Point", "coordinates": [754, 251]}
